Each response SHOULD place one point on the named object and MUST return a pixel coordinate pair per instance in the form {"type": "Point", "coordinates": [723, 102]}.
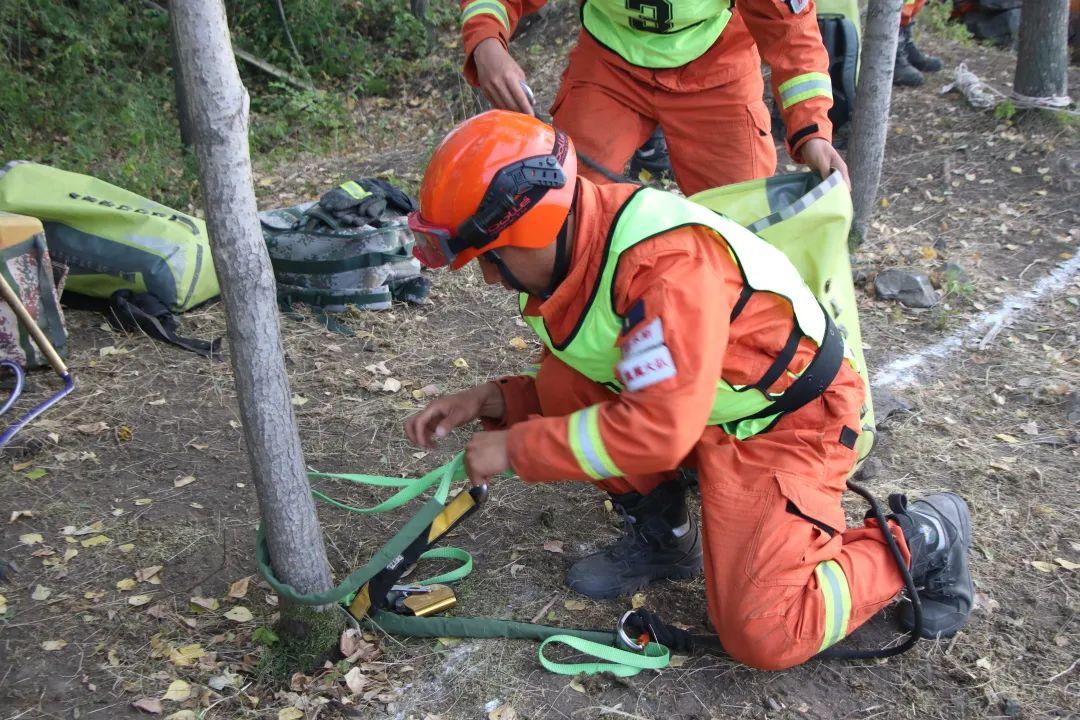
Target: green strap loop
{"type": "Point", "coordinates": [451, 472]}
{"type": "Point", "coordinates": [619, 662]}
{"type": "Point", "coordinates": [448, 553]}
{"type": "Point", "coordinates": [594, 643]}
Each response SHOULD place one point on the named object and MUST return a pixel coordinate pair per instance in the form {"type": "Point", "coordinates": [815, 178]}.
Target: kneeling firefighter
{"type": "Point", "coordinates": [675, 338]}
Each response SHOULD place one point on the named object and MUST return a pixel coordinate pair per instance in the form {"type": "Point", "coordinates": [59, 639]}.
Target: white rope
{"type": "Point", "coordinates": [982, 95]}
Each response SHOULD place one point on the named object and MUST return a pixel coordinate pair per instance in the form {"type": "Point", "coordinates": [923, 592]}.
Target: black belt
{"type": "Point", "coordinates": [815, 380]}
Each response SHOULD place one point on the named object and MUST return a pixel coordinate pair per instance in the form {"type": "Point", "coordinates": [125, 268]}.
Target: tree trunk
{"type": "Point", "coordinates": [1042, 55]}
{"type": "Point", "coordinates": [870, 119]}
{"type": "Point", "coordinates": [218, 108]}
{"type": "Point", "coordinates": [183, 112]}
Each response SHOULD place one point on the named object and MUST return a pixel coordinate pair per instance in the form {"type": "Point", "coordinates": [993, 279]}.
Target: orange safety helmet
{"type": "Point", "coordinates": [498, 179]}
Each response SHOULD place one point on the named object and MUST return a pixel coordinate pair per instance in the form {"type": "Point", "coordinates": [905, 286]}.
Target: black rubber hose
{"type": "Point", "coordinates": [613, 177]}
{"type": "Point", "coordinates": [913, 593]}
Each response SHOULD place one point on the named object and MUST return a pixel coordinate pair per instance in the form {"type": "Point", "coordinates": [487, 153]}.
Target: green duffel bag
{"type": "Point", "coordinates": [111, 239]}
{"type": "Point", "coordinates": [808, 220]}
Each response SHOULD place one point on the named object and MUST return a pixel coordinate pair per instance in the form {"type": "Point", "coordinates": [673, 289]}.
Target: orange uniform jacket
{"type": "Point", "coordinates": [687, 279]}
{"type": "Point", "coordinates": [789, 42]}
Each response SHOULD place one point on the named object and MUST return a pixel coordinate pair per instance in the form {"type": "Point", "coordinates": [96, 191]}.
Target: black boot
{"type": "Point", "coordinates": [904, 73]}
{"type": "Point", "coordinates": [652, 157]}
{"type": "Point", "coordinates": [662, 541]}
{"type": "Point", "coordinates": [925, 63]}
{"type": "Point", "coordinates": [938, 533]}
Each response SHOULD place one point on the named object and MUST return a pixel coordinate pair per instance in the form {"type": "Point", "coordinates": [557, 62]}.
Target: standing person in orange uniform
{"type": "Point", "coordinates": [911, 63]}
{"type": "Point", "coordinates": [676, 338]}
{"type": "Point", "coordinates": [691, 66]}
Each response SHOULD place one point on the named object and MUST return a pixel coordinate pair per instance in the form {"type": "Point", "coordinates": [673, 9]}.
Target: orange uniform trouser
{"type": "Point", "coordinates": [715, 137]}
{"type": "Point", "coordinates": [909, 10]}
{"type": "Point", "coordinates": [779, 562]}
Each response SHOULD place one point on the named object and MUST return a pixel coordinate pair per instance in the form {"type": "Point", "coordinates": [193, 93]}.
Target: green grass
{"type": "Point", "coordinates": [935, 18]}
{"type": "Point", "coordinates": [87, 85]}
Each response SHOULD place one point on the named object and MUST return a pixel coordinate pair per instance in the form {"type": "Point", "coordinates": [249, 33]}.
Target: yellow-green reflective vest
{"type": "Point", "coordinates": [656, 33]}
{"type": "Point", "coordinates": [742, 411]}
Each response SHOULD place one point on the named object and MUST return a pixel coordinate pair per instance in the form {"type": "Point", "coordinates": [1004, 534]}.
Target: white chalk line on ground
{"type": "Point", "coordinates": [904, 371]}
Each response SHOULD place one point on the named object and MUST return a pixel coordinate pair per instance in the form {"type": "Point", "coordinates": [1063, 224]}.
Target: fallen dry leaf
{"type": "Point", "coordinates": [124, 433]}
{"type": "Point", "coordinates": [677, 660]}
{"type": "Point", "coordinates": [1067, 564]}
{"type": "Point", "coordinates": [181, 482]}
{"type": "Point", "coordinates": [518, 343]}
{"type": "Point", "coordinates": [53, 645]}
{"type": "Point", "coordinates": [16, 514]}
{"type": "Point", "coordinates": [142, 501]}
{"type": "Point", "coordinates": [31, 539]}
{"type": "Point", "coordinates": [94, 527]}
{"type": "Point", "coordinates": [92, 428]}
{"type": "Point", "coordinates": [574, 605]}
{"type": "Point", "coordinates": [147, 574]}
{"type": "Point", "coordinates": [139, 600]}
{"type": "Point", "coordinates": [355, 680]}
{"type": "Point", "coordinates": [148, 705]}
{"type": "Point", "coordinates": [461, 363]}
{"type": "Point", "coordinates": [205, 603]}
{"type": "Point", "coordinates": [40, 593]}
{"type": "Point", "coordinates": [553, 546]}
{"type": "Point", "coordinates": [638, 600]}
{"type": "Point", "coordinates": [290, 713]}
{"type": "Point", "coordinates": [178, 691]}
{"type": "Point", "coordinates": [392, 385]}
{"type": "Point", "coordinates": [299, 400]}
{"type": "Point", "coordinates": [1043, 566]}
{"type": "Point", "coordinates": [96, 540]}
{"type": "Point", "coordinates": [503, 712]}
{"type": "Point", "coordinates": [239, 588]}
{"type": "Point", "coordinates": [576, 685]}
{"type": "Point", "coordinates": [182, 715]}
{"type": "Point", "coordinates": [186, 655]}
{"type": "Point", "coordinates": [240, 614]}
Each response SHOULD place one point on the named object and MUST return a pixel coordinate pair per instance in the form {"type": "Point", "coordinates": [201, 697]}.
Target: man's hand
{"type": "Point", "coordinates": [822, 157]}
{"type": "Point", "coordinates": [486, 456]}
{"type": "Point", "coordinates": [446, 413]}
{"type": "Point", "coordinates": [500, 77]}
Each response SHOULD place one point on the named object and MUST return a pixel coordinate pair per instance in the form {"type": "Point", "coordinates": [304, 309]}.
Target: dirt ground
{"type": "Point", "coordinates": [144, 466]}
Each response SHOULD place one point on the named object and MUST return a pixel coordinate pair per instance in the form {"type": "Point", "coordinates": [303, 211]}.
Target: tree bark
{"type": "Point", "coordinates": [218, 108]}
{"type": "Point", "coordinates": [183, 113]}
{"type": "Point", "coordinates": [1042, 55]}
{"type": "Point", "coordinates": [870, 119]}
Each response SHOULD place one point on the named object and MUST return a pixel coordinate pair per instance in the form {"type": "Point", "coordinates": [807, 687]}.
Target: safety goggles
{"type": "Point", "coordinates": [515, 189]}
{"type": "Point", "coordinates": [431, 244]}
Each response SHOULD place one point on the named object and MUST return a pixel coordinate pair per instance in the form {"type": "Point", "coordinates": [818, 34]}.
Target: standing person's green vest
{"type": "Point", "coordinates": [742, 411]}
{"type": "Point", "coordinates": [656, 33]}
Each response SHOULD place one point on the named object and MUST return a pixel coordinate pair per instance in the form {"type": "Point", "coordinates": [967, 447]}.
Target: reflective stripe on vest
{"type": "Point", "coordinates": [656, 33]}
{"type": "Point", "coordinates": [591, 349]}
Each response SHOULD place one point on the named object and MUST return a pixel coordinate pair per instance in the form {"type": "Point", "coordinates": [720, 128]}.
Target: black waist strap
{"type": "Point", "coordinates": [817, 377]}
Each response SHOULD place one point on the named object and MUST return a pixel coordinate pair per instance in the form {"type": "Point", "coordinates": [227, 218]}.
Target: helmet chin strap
{"type": "Point", "coordinates": [509, 277]}
{"type": "Point", "coordinates": [558, 271]}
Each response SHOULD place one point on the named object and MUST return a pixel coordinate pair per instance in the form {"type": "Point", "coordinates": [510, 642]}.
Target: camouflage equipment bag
{"type": "Point", "coordinates": [351, 247]}
{"type": "Point", "coordinates": [25, 265]}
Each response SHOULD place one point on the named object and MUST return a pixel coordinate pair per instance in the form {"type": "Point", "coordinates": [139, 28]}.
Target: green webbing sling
{"type": "Point", "coordinates": [602, 645]}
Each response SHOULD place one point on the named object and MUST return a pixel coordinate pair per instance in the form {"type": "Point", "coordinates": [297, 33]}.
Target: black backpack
{"type": "Point", "coordinates": [841, 39]}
